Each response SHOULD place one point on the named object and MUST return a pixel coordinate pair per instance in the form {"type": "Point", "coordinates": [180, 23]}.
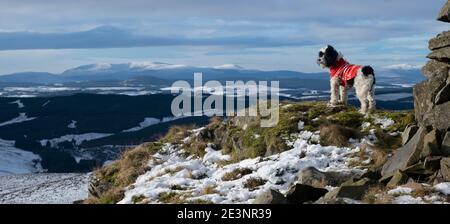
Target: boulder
{"type": "Point", "coordinates": [270, 197]}
{"type": "Point", "coordinates": [444, 15]}
{"type": "Point", "coordinates": [406, 155]}
{"type": "Point", "coordinates": [442, 40]}
{"type": "Point", "coordinates": [399, 178]}
{"type": "Point", "coordinates": [443, 95]}
{"type": "Point", "coordinates": [439, 117]}
{"type": "Point", "coordinates": [445, 169]}
{"type": "Point", "coordinates": [350, 189]}
{"type": "Point", "coordinates": [313, 177]}
{"type": "Point", "coordinates": [441, 54]}
{"type": "Point", "coordinates": [426, 112]}
{"type": "Point", "coordinates": [301, 193]}
{"type": "Point", "coordinates": [409, 132]}
{"type": "Point", "coordinates": [433, 68]}
{"type": "Point", "coordinates": [445, 146]}
{"type": "Point", "coordinates": [430, 144]}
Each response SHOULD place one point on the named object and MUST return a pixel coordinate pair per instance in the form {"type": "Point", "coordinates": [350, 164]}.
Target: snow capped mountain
{"type": "Point", "coordinates": [154, 65]}
{"type": "Point", "coordinates": [228, 66]}
{"type": "Point", "coordinates": [403, 67]}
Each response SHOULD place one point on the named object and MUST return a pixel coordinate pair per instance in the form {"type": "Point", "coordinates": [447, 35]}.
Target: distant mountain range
{"type": "Point", "coordinates": [161, 72]}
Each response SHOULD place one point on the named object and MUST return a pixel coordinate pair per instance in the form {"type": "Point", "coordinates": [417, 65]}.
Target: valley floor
{"type": "Point", "coordinates": [44, 188]}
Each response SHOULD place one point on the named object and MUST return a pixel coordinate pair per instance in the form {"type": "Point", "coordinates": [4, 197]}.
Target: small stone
{"type": "Point", "coordinates": [442, 40]}
{"type": "Point", "coordinates": [313, 177]}
{"type": "Point", "coordinates": [409, 132]}
{"type": "Point", "coordinates": [270, 197]}
{"type": "Point", "coordinates": [353, 190]}
{"type": "Point", "coordinates": [301, 193]}
{"type": "Point", "coordinates": [399, 178]}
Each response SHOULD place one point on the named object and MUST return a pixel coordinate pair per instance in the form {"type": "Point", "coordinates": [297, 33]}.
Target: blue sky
{"type": "Point", "coordinates": [54, 35]}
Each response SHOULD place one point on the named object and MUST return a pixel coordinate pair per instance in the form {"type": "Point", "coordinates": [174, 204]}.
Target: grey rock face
{"type": "Point", "coordinates": [445, 169]}
{"type": "Point", "coordinates": [405, 156]}
{"type": "Point", "coordinates": [440, 41]}
{"type": "Point", "coordinates": [444, 15]}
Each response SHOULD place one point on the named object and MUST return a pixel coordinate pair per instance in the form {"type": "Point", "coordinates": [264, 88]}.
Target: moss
{"type": "Point", "coordinates": [114, 177]}
{"type": "Point", "coordinates": [169, 197]}
{"type": "Point", "coordinates": [253, 183]}
{"type": "Point", "coordinates": [236, 174]}
{"type": "Point", "coordinates": [348, 118]}
{"type": "Point", "coordinates": [137, 198]}
{"type": "Point", "coordinates": [387, 141]}
{"type": "Point", "coordinates": [200, 202]}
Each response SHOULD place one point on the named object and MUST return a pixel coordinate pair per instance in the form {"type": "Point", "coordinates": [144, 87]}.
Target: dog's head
{"type": "Point", "coordinates": [327, 57]}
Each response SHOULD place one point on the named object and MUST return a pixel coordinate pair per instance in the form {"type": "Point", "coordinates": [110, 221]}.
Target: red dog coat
{"type": "Point", "coordinates": [344, 70]}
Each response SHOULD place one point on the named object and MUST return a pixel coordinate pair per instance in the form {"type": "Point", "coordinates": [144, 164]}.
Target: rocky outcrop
{"type": "Point", "coordinates": [444, 15]}
{"type": "Point", "coordinates": [425, 150]}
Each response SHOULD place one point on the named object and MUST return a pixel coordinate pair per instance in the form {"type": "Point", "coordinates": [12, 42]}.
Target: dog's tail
{"type": "Point", "coordinates": [368, 70]}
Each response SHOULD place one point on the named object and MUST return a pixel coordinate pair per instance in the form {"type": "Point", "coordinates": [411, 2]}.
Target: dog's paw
{"type": "Point", "coordinates": [332, 104]}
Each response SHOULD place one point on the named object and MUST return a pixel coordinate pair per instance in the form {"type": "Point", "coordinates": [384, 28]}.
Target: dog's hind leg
{"type": "Point", "coordinates": [362, 91]}
{"type": "Point", "coordinates": [343, 95]}
{"type": "Point", "coordinates": [371, 97]}
{"type": "Point", "coordinates": [334, 87]}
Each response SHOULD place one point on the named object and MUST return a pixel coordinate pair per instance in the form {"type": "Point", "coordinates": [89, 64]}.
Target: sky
{"type": "Point", "coordinates": [55, 35]}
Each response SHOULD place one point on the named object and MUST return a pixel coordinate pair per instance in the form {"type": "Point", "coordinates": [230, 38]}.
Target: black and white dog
{"type": "Point", "coordinates": [345, 75]}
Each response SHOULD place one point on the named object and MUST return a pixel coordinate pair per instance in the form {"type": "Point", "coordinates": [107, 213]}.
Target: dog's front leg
{"type": "Point", "coordinates": [334, 87]}
{"type": "Point", "coordinates": [343, 95]}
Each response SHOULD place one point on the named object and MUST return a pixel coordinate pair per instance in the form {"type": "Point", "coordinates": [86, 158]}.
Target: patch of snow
{"type": "Point", "coordinates": [153, 66]}
{"type": "Point", "coordinates": [148, 121]}
{"type": "Point", "coordinates": [407, 199]}
{"type": "Point", "coordinates": [45, 188]}
{"type": "Point", "coordinates": [73, 124]}
{"type": "Point", "coordinates": [76, 138]}
{"type": "Point", "coordinates": [19, 104]}
{"type": "Point", "coordinates": [45, 104]}
{"type": "Point", "coordinates": [212, 156]}
{"type": "Point", "coordinates": [365, 125]}
{"type": "Point", "coordinates": [228, 66]}
{"type": "Point", "coordinates": [300, 125]}
{"type": "Point", "coordinates": [17, 161]}
{"type": "Point", "coordinates": [443, 188]}
{"type": "Point", "coordinates": [21, 118]}
{"type": "Point", "coordinates": [403, 66]}
{"type": "Point", "coordinates": [400, 190]}
{"type": "Point", "coordinates": [384, 122]}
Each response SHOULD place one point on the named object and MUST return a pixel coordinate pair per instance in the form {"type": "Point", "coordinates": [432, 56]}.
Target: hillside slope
{"type": "Point", "coordinates": [314, 154]}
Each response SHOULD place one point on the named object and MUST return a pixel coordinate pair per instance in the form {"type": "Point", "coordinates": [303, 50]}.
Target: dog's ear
{"type": "Point", "coordinates": [331, 55]}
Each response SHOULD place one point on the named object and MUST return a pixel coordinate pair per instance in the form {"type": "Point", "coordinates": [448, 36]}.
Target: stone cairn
{"type": "Point", "coordinates": [425, 154]}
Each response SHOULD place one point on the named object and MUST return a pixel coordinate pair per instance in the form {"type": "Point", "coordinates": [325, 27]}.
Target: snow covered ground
{"type": "Point", "coordinates": [17, 161]}
{"type": "Point", "coordinates": [148, 121]}
{"type": "Point", "coordinates": [78, 138]}
{"type": "Point", "coordinates": [190, 176]}
{"type": "Point", "coordinates": [45, 188]}
{"type": "Point", "coordinates": [21, 118]}
{"type": "Point", "coordinates": [19, 104]}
